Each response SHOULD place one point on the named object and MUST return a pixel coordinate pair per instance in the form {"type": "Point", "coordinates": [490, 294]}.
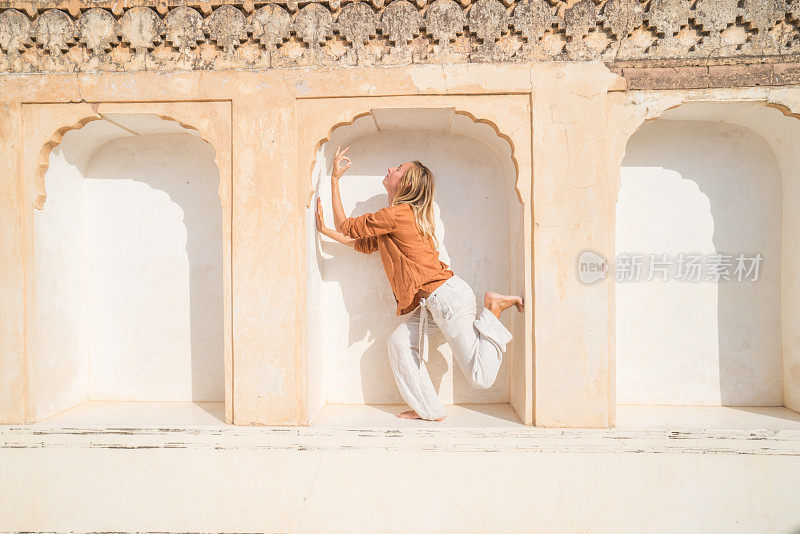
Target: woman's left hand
{"type": "Point", "coordinates": [339, 167]}
{"type": "Point", "coordinates": [320, 220]}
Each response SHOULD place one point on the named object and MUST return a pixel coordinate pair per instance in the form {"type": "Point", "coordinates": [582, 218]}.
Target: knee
{"type": "Point", "coordinates": [481, 382]}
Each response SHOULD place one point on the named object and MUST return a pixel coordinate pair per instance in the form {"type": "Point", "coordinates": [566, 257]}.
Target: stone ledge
{"type": "Point", "coordinates": [468, 428]}
{"type": "Point", "coordinates": [776, 442]}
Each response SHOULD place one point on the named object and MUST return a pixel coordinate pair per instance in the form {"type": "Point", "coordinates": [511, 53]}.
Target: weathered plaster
{"type": "Point", "coordinates": [12, 277]}
{"type": "Point", "coordinates": [573, 207]}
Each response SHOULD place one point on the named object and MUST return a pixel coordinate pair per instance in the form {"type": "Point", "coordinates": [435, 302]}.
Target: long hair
{"type": "Point", "coordinates": [416, 188]}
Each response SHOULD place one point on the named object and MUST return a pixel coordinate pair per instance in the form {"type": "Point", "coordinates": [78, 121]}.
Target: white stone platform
{"type": "Point", "coordinates": [495, 416]}
{"type": "Point", "coordinates": [688, 429]}
{"type": "Point", "coordinates": [177, 467]}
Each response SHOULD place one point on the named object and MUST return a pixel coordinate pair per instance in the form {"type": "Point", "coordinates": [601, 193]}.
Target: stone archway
{"type": "Point", "coordinates": [480, 225]}
{"type": "Point", "coordinates": [749, 333]}
{"type": "Point", "coordinates": [148, 138]}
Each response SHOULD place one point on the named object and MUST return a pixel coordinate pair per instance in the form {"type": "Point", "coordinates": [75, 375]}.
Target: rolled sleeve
{"type": "Point", "coordinates": [374, 224]}
{"type": "Point", "coordinates": [366, 245]}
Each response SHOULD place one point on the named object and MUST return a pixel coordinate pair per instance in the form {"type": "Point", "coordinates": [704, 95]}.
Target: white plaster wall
{"type": "Point", "coordinates": [154, 258]}
{"type": "Point", "coordinates": [128, 268]}
{"type": "Point", "coordinates": [476, 206]}
{"type": "Point", "coordinates": [699, 187]}
{"type": "Point", "coordinates": [783, 135]}
{"type": "Point", "coordinates": [59, 368]}
{"type": "Point", "coordinates": [790, 270]}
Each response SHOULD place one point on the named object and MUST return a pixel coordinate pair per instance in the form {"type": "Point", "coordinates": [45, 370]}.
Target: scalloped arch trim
{"type": "Point", "coordinates": [457, 111]}
{"type": "Point", "coordinates": [58, 137]}
{"type": "Point", "coordinates": [783, 108]}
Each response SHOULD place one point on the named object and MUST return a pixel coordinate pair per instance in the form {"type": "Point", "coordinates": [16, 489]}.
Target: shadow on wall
{"type": "Point", "coordinates": [370, 306]}
{"type": "Point", "coordinates": [358, 309]}
{"type": "Point", "coordinates": [153, 273]}
{"type": "Point", "coordinates": [183, 167]}
{"type": "Point", "coordinates": [700, 188]}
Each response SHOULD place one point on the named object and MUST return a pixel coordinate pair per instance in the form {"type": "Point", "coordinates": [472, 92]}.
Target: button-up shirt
{"type": "Point", "coordinates": [409, 257]}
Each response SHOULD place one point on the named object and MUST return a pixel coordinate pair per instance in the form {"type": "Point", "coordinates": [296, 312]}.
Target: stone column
{"type": "Point", "coordinates": [267, 248]}
{"type": "Point", "coordinates": [573, 201]}
{"type": "Point", "coordinates": [12, 347]}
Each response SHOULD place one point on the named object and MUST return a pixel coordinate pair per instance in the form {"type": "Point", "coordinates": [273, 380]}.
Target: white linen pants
{"type": "Point", "coordinates": [477, 342]}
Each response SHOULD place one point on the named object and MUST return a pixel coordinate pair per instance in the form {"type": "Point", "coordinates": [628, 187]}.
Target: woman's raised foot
{"type": "Point", "coordinates": [497, 302]}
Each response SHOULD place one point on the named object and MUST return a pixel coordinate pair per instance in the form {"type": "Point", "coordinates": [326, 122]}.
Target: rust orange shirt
{"type": "Point", "coordinates": [409, 257]}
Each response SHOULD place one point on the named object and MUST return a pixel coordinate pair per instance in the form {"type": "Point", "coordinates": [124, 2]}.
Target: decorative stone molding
{"type": "Point", "coordinates": [497, 131]}
{"type": "Point", "coordinates": [65, 35]}
{"type": "Point", "coordinates": [58, 137]}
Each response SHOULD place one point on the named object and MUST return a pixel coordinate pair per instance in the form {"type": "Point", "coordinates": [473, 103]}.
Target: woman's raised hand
{"type": "Point", "coordinates": [338, 160]}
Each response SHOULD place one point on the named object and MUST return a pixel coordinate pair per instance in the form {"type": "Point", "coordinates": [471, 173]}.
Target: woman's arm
{"type": "Point", "coordinates": [365, 245]}
{"type": "Point", "coordinates": [365, 228]}
{"type": "Point", "coordinates": [336, 198]}
{"type": "Point", "coordinates": [383, 221]}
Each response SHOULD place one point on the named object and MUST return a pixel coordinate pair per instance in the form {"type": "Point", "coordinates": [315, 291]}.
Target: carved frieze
{"type": "Point", "coordinates": [67, 35]}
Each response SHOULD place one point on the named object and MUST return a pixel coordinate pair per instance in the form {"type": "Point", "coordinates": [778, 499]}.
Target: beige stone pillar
{"type": "Point", "coordinates": [12, 344]}
{"type": "Point", "coordinates": [267, 265]}
{"type": "Point", "coordinates": [573, 210]}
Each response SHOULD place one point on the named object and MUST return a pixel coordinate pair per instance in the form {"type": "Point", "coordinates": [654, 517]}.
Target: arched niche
{"type": "Point", "coordinates": [708, 178]}
{"type": "Point", "coordinates": [128, 267]}
{"type": "Point", "coordinates": [479, 221]}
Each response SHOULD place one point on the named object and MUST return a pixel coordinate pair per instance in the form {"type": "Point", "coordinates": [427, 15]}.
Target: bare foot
{"type": "Point", "coordinates": [497, 302]}
{"type": "Point", "coordinates": [411, 414]}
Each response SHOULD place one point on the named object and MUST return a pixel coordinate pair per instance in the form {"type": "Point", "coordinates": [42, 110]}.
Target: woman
{"type": "Point", "coordinates": [403, 232]}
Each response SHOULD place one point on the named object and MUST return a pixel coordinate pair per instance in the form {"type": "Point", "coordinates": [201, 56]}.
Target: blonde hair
{"type": "Point", "coordinates": [416, 188]}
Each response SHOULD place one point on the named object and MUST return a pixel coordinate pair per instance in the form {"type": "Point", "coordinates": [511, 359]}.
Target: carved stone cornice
{"type": "Point", "coordinates": [128, 35]}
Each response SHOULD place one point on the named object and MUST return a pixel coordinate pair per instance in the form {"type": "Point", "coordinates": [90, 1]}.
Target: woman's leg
{"type": "Point", "coordinates": [409, 370]}
{"type": "Point", "coordinates": [479, 348]}
{"type": "Point", "coordinates": [478, 341]}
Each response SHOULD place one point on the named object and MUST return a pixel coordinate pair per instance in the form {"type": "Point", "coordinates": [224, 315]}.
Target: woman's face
{"type": "Point", "coordinates": [392, 179]}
